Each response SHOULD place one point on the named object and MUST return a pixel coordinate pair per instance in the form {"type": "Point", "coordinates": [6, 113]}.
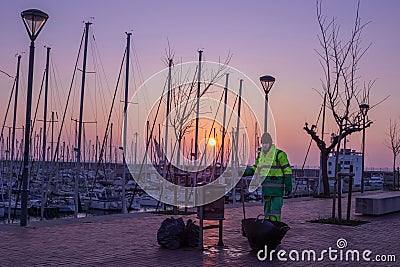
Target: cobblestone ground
{"type": "Point", "coordinates": [130, 240]}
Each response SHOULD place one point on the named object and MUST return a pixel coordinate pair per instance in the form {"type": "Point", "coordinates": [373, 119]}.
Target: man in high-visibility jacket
{"type": "Point", "coordinates": [273, 168]}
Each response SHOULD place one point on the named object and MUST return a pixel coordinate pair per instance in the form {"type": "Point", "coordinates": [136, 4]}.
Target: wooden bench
{"type": "Point", "coordinates": [378, 204]}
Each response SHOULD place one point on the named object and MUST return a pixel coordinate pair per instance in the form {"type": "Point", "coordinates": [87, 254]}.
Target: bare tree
{"type": "Point", "coordinates": [339, 59]}
{"type": "Point", "coordinates": [393, 143]}
{"type": "Point", "coordinates": [183, 99]}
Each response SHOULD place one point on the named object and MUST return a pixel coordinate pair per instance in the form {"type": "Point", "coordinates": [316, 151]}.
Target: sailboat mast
{"type": "Point", "coordinates": [166, 119]}
{"type": "Point", "coordinates": [78, 152]}
{"type": "Point", "coordinates": [52, 136]}
{"type": "Point", "coordinates": [235, 155]}
{"type": "Point", "coordinates": [128, 45]}
{"type": "Point", "coordinates": [136, 137]}
{"type": "Point", "coordinates": [224, 121]}
{"type": "Point", "coordinates": [13, 137]}
{"type": "Point", "coordinates": [196, 138]}
{"type": "Point", "coordinates": [237, 124]}
{"type": "Point", "coordinates": [46, 90]}
{"type": "Point", "coordinates": [111, 139]}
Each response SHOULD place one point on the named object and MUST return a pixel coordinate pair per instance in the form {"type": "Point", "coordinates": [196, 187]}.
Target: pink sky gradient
{"type": "Point", "coordinates": [275, 38]}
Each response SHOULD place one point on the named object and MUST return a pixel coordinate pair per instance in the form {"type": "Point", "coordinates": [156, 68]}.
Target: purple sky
{"type": "Point", "coordinates": [265, 37]}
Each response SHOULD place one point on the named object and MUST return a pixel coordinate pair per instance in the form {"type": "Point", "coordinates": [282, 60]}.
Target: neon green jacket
{"type": "Point", "coordinates": [275, 167]}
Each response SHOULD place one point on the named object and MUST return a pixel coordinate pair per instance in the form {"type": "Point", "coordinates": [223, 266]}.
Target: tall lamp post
{"type": "Point", "coordinates": [266, 82]}
{"type": "Point", "coordinates": [364, 110]}
{"type": "Point", "coordinates": [34, 21]}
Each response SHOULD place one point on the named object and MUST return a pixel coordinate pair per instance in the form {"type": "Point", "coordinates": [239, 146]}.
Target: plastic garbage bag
{"type": "Point", "coordinates": [262, 232]}
{"type": "Point", "coordinates": [192, 235]}
{"type": "Point", "coordinates": [171, 233]}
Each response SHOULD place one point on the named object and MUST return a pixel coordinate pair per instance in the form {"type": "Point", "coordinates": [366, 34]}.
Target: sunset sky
{"type": "Point", "coordinates": [275, 38]}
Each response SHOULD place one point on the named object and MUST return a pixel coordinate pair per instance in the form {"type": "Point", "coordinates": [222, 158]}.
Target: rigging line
{"type": "Point", "coordinates": [55, 75]}
{"type": "Point", "coordinates": [132, 67]}
{"type": "Point", "coordinates": [140, 75]}
{"type": "Point", "coordinates": [117, 135]}
{"type": "Point", "coordinates": [30, 138]}
{"type": "Point", "coordinates": [37, 104]}
{"type": "Point", "coordinates": [118, 113]}
{"type": "Point", "coordinates": [187, 100]}
{"type": "Point", "coordinates": [224, 133]}
{"type": "Point", "coordinates": [22, 84]}
{"type": "Point", "coordinates": [7, 74]}
{"type": "Point", "coordinates": [176, 141]}
{"type": "Point", "coordinates": [150, 136]}
{"type": "Point", "coordinates": [55, 99]}
{"type": "Point", "coordinates": [173, 123]}
{"type": "Point", "coordinates": [97, 52]}
{"type": "Point", "coordinates": [212, 126]}
{"type": "Point", "coordinates": [309, 145]}
{"type": "Point", "coordinates": [183, 116]}
{"type": "Point", "coordinates": [74, 103]}
{"type": "Point", "coordinates": [108, 123]}
{"type": "Point", "coordinates": [136, 84]}
{"type": "Point", "coordinates": [138, 78]}
{"type": "Point", "coordinates": [97, 80]}
{"type": "Point", "coordinates": [8, 107]}
{"type": "Point", "coordinates": [137, 62]}
{"type": "Point", "coordinates": [68, 98]}
{"type": "Point", "coordinates": [89, 94]}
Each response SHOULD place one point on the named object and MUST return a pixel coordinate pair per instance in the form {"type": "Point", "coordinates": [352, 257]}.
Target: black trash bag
{"type": "Point", "coordinates": [192, 235]}
{"type": "Point", "coordinates": [264, 232]}
{"type": "Point", "coordinates": [171, 234]}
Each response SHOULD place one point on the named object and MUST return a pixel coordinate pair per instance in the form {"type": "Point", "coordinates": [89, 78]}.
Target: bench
{"type": "Point", "coordinates": [378, 204]}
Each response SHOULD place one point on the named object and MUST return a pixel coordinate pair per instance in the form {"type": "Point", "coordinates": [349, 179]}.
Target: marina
{"type": "Point", "coordinates": [161, 133]}
{"type": "Point", "coordinates": [105, 197]}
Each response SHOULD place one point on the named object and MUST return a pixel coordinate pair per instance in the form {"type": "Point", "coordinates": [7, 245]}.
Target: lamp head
{"type": "Point", "coordinates": [34, 21]}
{"type": "Point", "coordinates": [267, 82]}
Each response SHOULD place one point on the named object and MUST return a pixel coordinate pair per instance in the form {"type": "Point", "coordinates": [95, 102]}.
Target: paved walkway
{"type": "Point", "coordinates": [130, 240]}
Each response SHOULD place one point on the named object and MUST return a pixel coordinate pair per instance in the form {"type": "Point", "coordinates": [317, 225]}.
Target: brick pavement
{"type": "Point", "coordinates": [130, 239]}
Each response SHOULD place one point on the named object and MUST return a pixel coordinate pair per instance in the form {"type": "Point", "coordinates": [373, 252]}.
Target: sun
{"type": "Point", "coordinates": [212, 142]}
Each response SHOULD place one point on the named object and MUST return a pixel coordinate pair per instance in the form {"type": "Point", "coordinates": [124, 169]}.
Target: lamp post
{"type": "Point", "coordinates": [364, 110]}
{"type": "Point", "coordinates": [34, 21]}
{"type": "Point", "coordinates": [266, 82]}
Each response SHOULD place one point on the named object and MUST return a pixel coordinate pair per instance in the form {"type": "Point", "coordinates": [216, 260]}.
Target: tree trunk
{"type": "Point", "coordinates": [394, 171]}
{"type": "Point", "coordinates": [324, 170]}
{"type": "Point", "coordinates": [349, 199]}
{"type": "Point", "coordinates": [337, 180]}
{"type": "Point", "coordinates": [398, 178]}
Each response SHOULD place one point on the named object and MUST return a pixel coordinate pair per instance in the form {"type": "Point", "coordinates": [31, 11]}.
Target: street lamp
{"type": "Point", "coordinates": [364, 110]}
{"type": "Point", "coordinates": [266, 82]}
{"type": "Point", "coordinates": [34, 21]}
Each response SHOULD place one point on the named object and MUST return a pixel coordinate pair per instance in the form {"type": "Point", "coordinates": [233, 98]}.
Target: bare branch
{"type": "Point", "coordinates": [340, 58]}
{"type": "Point", "coordinates": [393, 140]}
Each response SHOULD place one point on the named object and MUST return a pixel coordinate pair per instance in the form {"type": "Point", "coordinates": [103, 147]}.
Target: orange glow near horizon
{"type": "Point", "coordinates": [212, 142]}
